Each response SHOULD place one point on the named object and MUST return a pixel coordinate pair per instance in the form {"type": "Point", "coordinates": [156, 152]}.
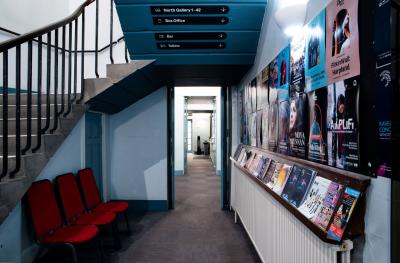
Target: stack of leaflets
{"type": "Point", "coordinates": [342, 216]}
{"type": "Point", "coordinates": [275, 175]}
{"type": "Point", "coordinates": [315, 197]}
{"type": "Point", "coordinates": [328, 207]}
{"type": "Point", "coordinates": [280, 182]}
{"type": "Point", "coordinates": [298, 184]}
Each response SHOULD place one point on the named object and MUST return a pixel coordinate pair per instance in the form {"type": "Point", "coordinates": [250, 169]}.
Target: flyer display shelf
{"type": "Point", "coordinates": [356, 222]}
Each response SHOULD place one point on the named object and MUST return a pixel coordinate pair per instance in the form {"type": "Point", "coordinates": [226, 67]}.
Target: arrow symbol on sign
{"type": "Point", "coordinates": [223, 9]}
{"type": "Point", "coordinates": [223, 20]}
{"type": "Point", "coordinates": [220, 45]}
{"type": "Point", "coordinates": [221, 36]}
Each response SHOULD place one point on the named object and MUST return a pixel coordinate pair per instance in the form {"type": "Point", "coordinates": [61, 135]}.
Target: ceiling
{"type": "Point", "coordinates": [194, 42]}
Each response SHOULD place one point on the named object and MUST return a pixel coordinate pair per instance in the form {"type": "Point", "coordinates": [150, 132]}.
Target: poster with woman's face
{"type": "Point", "coordinates": [298, 125]}
{"type": "Point", "coordinates": [342, 40]}
{"type": "Point", "coordinates": [283, 129]}
{"type": "Point", "coordinates": [317, 139]}
{"type": "Point", "coordinates": [253, 87]}
{"type": "Point", "coordinates": [265, 126]}
{"type": "Point", "coordinates": [315, 72]}
{"type": "Point", "coordinates": [253, 129]}
{"type": "Point", "coordinates": [343, 124]}
{"type": "Point", "coordinates": [273, 126]}
{"type": "Point", "coordinates": [283, 74]}
{"type": "Point", "coordinates": [259, 129]}
{"type": "Point", "coordinates": [262, 88]}
{"type": "Point", "coordinates": [297, 57]}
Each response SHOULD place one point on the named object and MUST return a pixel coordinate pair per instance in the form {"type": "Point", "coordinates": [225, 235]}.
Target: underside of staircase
{"type": "Point", "coordinates": [124, 85]}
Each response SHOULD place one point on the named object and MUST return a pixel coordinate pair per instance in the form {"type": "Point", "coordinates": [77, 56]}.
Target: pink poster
{"type": "Point", "coordinates": [342, 42]}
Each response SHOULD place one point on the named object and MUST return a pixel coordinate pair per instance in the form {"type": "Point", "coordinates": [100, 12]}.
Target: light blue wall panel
{"type": "Point", "coordinates": [16, 240]}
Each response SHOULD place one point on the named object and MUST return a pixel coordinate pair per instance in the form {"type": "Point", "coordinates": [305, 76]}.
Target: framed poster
{"type": "Point", "coordinates": [262, 88]}
{"type": "Point", "coordinates": [283, 74]}
{"type": "Point", "coordinates": [283, 127]}
{"type": "Point", "coordinates": [273, 126]}
{"type": "Point", "coordinates": [264, 127]}
{"type": "Point", "coordinates": [253, 87]}
{"type": "Point", "coordinates": [342, 40]}
{"type": "Point", "coordinates": [315, 73]}
{"type": "Point", "coordinates": [297, 71]}
{"type": "Point", "coordinates": [298, 125]}
{"type": "Point", "coordinates": [317, 141]}
{"type": "Point", "coordinates": [343, 142]}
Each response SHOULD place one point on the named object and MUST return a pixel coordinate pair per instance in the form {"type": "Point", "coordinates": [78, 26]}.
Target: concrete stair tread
{"type": "Point", "coordinates": [117, 72]}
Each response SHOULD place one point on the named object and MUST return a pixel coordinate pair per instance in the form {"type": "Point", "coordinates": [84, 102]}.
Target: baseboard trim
{"type": "Point", "coordinates": [147, 205]}
{"type": "Point", "coordinates": [179, 173]}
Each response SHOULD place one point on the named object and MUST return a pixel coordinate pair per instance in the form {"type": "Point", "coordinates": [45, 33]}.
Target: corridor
{"type": "Point", "coordinates": [196, 231]}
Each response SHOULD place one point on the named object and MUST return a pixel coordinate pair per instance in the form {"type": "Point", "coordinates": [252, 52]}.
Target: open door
{"type": "Point", "coordinates": [170, 147]}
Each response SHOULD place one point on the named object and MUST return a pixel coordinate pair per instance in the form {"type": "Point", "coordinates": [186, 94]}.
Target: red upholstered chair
{"type": "Point", "coordinates": [48, 225]}
{"type": "Point", "coordinates": [93, 200]}
{"type": "Point", "coordinates": [74, 210]}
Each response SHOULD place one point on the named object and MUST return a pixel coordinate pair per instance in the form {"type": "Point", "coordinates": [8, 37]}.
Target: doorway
{"type": "Point", "coordinates": [196, 129]}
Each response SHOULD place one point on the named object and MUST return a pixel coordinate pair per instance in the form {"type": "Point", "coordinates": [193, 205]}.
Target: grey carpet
{"type": "Point", "coordinates": [196, 231]}
{"type": "Point", "coordinates": [197, 157]}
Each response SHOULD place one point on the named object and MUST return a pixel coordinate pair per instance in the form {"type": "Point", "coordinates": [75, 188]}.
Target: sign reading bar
{"type": "Point", "coordinates": [191, 36]}
{"type": "Point", "coordinates": [191, 45]}
{"type": "Point", "coordinates": [190, 20]}
{"type": "Point", "coordinates": [192, 10]}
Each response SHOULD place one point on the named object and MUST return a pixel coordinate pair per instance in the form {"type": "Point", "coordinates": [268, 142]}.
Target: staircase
{"type": "Point", "coordinates": [12, 189]}
{"type": "Point", "coordinates": [34, 122]}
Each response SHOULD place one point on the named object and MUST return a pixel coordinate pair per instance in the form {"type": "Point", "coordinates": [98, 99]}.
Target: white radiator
{"type": "Point", "coordinates": [278, 236]}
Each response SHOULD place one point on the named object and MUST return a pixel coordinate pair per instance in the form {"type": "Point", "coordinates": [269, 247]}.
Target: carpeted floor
{"type": "Point", "coordinates": [197, 231]}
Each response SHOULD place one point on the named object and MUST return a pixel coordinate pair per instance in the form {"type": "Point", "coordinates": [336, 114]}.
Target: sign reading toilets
{"type": "Point", "coordinates": [342, 40]}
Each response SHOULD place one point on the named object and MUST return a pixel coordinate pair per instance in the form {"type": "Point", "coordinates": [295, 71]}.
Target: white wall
{"type": "Point", "coordinates": [201, 127]}
{"type": "Point", "coordinates": [180, 94]}
{"type": "Point", "coordinates": [377, 243]}
{"type": "Point", "coordinates": [138, 150]}
{"type": "Point", "coordinates": [17, 244]}
{"type": "Point", "coordinates": [18, 18]}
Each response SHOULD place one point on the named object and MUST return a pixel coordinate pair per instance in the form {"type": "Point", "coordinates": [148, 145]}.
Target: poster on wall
{"type": "Point", "coordinates": [283, 74]}
{"type": "Point", "coordinates": [343, 150]}
{"type": "Point", "coordinates": [315, 73]}
{"type": "Point", "coordinates": [273, 74]}
{"type": "Point", "coordinates": [241, 113]}
{"type": "Point", "coordinates": [259, 129]}
{"type": "Point", "coordinates": [297, 57]}
{"type": "Point", "coordinates": [265, 124]}
{"type": "Point", "coordinates": [342, 40]}
{"type": "Point", "coordinates": [298, 125]}
{"type": "Point", "coordinates": [253, 87]}
{"type": "Point", "coordinates": [248, 99]}
{"type": "Point", "coordinates": [262, 89]}
{"type": "Point", "coordinates": [283, 127]}
{"type": "Point", "coordinates": [317, 141]}
{"type": "Point", "coordinates": [253, 129]}
{"type": "Point", "coordinates": [384, 114]}
{"type": "Point", "coordinates": [273, 126]}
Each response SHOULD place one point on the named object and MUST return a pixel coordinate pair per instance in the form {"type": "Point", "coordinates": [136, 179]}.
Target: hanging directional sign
{"type": "Point", "coordinates": [192, 10]}
{"type": "Point", "coordinates": [190, 20]}
{"type": "Point", "coordinates": [191, 45]}
{"type": "Point", "coordinates": [190, 36]}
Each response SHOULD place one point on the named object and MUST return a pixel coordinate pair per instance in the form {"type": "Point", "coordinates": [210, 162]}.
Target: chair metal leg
{"type": "Point", "coordinates": [73, 252]}
{"type": "Point", "coordinates": [99, 250]}
{"type": "Point", "coordinates": [115, 230]}
{"type": "Point", "coordinates": [39, 253]}
{"type": "Point", "coordinates": [128, 226]}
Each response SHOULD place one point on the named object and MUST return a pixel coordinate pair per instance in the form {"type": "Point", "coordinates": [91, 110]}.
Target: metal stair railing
{"type": "Point", "coordinates": [66, 79]}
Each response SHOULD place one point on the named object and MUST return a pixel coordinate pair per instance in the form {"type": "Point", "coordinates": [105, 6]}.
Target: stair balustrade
{"type": "Point", "coordinates": [44, 106]}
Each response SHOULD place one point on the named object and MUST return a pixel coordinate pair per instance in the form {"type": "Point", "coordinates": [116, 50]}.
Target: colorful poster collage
{"type": "Point", "coordinates": [305, 102]}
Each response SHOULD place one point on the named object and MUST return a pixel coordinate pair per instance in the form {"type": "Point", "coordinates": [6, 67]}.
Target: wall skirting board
{"type": "Point", "coordinates": [147, 205]}
{"type": "Point", "coordinates": [179, 173]}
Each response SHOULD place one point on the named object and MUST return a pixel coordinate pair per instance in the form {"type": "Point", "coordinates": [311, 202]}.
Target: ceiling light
{"type": "Point", "coordinates": [291, 15]}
